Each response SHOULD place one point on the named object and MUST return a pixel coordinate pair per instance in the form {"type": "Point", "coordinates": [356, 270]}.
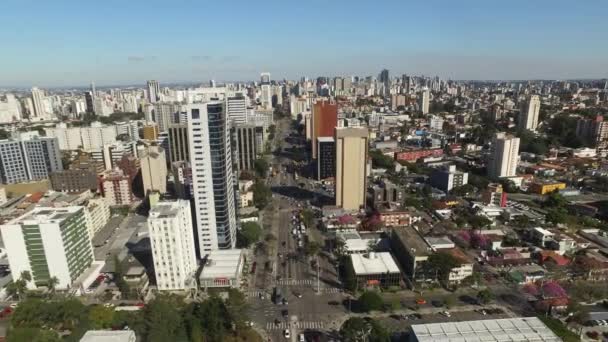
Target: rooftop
{"type": "Point", "coordinates": [374, 263]}
{"type": "Point", "coordinates": [413, 240]}
{"type": "Point", "coordinates": [45, 215]}
{"type": "Point", "coordinates": [166, 209]}
{"type": "Point", "coordinates": [221, 263]}
{"type": "Point", "coordinates": [109, 336]}
{"type": "Point", "coordinates": [508, 329]}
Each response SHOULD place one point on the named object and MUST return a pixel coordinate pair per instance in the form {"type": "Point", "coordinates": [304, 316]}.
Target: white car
{"type": "Point", "coordinates": [446, 313]}
{"type": "Point", "coordinates": [301, 338]}
{"type": "Point", "coordinates": [286, 333]}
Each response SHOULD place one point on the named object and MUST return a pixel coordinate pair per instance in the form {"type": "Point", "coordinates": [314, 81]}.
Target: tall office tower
{"type": "Point", "coordinates": [89, 100]}
{"type": "Point", "coordinates": [153, 91]}
{"type": "Point", "coordinates": [384, 78]}
{"type": "Point", "coordinates": [212, 176]}
{"type": "Point", "coordinates": [351, 165]}
{"type": "Point", "coordinates": [504, 156]}
{"type": "Point", "coordinates": [93, 90]}
{"type": "Point", "coordinates": [338, 85]}
{"type": "Point", "coordinates": [28, 159]}
{"type": "Point", "coordinates": [593, 131]}
{"type": "Point", "coordinates": [49, 242]}
{"type": "Point", "coordinates": [172, 242]}
{"type": "Point", "coordinates": [38, 102]}
{"type": "Point", "coordinates": [425, 100]}
{"type": "Point", "coordinates": [266, 96]}
{"type": "Point", "coordinates": [528, 113]}
{"type": "Point", "coordinates": [324, 120]}
{"type": "Point", "coordinates": [236, 109]}
{"type": "Point", "coordinates": [249, 143]}
{"type": "Point", "coordinates": [153, 169]}
{"type": "Point", "coordinates": [165, 114]}
{"type": "Point", "coordinates": [326, 159]}
{"type": "Point", "coordinates": [348, 84]}
{"type": "Point", "coordinates": [178, 143]}
{"type": "Point", "coordinates": [405, 83]}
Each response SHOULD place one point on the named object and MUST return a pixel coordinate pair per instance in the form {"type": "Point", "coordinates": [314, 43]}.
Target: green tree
{"type": "Point", "coordinates": [449, 302]}
{"type": "Point", "coordinates": [378, 333]}
{"type": "Point", "coordinates": [348, 274]}
{"type": "Point", "coordinates": [261, 167]}
{"type": "Point", "coordinates": [557, 215]}
{"type": "Point", "coordinates": [479, 222]}
{"type": "Point", "coordinates": [312, 248]}
{"type": "Point", "coordinates": [236, 307]}
{"type": "Point", "coordinates": [485, 296]}
{"type": "Point", "coordinates": [32, 334]}
{"type": "Point", "coordinates": [354, 329]}
{"type": "Point", "coordinates": [101, 317]}
{"type": "Point", "coordinates": [51, 284]}
{"type": "Point", "coordinates": [379, 160]}
{"type": "Point", "coordinates": [555, 200]}
{"type": "Point", "coordinates": [163, 319]}
{"type": "Point", "coordinates": [308, 217]}
{"type": "Point", "coordinates": [119, 278]}
{"type": "Point", "coordinates": [249, 233]}
{"type": "Point", "coordinates": [370, 301]}
{"type": "Point", "coordinates": [261, 195]}
{"type": "Point", "coordinates": [442, 264]}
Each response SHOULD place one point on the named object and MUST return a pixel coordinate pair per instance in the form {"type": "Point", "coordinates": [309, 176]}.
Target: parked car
{"type": "Point", "coordinates": [420, 301]}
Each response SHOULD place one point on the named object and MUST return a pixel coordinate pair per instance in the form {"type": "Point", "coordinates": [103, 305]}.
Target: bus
{"type": "Point", "coordinates": [278, 296]}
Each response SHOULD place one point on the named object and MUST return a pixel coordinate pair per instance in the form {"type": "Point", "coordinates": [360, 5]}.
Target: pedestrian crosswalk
{"type": "Point", "coordinates": [294, 282]}
{"type": "Point", "coordinates": [294, 325]}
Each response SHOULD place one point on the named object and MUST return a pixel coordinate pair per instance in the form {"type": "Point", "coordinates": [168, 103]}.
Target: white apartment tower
{"type": "Point", "coordinates": [266, 96]}
{"type": "Point", "coordinates": [38, 104]}
{"type": "Point", "coordinates": [425, 100]}
{"type": "Point", "coordinates": [504, 156]}
{"type": "Point", "coordinates": [49, 242]}
{"type": "Point", "coordinates": [172, 242]}
{"type": "Point", "coordinates": [528, 113]}
{"type": "Point", "coordinates": [212, 176]}
{"type": "Point", "coordinates": [153, 91]}
{"type": "Point", "coordinates": [236, 109]}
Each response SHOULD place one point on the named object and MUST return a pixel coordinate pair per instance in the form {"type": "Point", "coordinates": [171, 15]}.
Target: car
{"type": "Point", "coordinates": [420, 301]}
{"type": "Point", "coordinates": [446, 313]}
{"type": "Point", "coordinates": [297, 294]}
{"type": "Point", "coordinates": [284, 313]}
{"type": "Point", "coordinates": [285, 301]}
{"type": "Point", "coordinates": [437, 303]}
{"type": "Point", "coordinates": [333, 302]}
{"type": "Point", "coordinates": [301, 338]}
{"type": "Point", "coordinates": [286, 333]}
{"type": "Point", "coordinates": [482, 312]}
{"type": "Point", "coordinates": [14, 305]}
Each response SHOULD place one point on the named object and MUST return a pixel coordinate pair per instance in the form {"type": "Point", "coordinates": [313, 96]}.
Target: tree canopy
{"type": "Point", "coordinates": [370, 301]}
{"type": "Point", "coordinates": [249, 233]}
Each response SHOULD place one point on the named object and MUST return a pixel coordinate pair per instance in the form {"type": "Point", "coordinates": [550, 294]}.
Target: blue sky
{"type": "Point", "coordinates": [65, 42]}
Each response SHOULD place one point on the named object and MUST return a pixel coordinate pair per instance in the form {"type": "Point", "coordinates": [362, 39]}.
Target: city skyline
{"type": "Point", "coordinates": [482, 41]}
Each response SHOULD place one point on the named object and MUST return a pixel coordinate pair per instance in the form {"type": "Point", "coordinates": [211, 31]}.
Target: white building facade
{"type": "Point", "coordinates": [172, 241]}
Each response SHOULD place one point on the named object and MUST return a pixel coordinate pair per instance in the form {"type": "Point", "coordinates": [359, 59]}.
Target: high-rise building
{"type": "Point", "coordinates": [153, 169]}
{"type": "Point", "coordinates": [153, 91]}
{"type": "Point", "coordinates": [384, 78]}
{"type": "Point", "coordinates": [182, 178]}
{"type": "Point", "coordinates": [249, 144]}
{"type": "Point", "coordinates": [10, 109]}
{"type": "Point", "coordinates": [266, 89]}
{"type": "Point", "coordinates": [172, 242]}
{"type": "Point", "coordinates": [49, 242]}
{"type": "Point", "coordinates": [116, 187]}
{"type": "Point", "coordinates": [324, 119]}
{"type": "Point", "coordinates": [212, 176]}
{"type": "Point", "coordinates": [504, 156]}
{"type": "Point", "coordinates": [178, 143]}
{"type": "Point", "coordinates": [528, 113]}
{"type": "Point", "coordinates": [28, 159]}
{"type": "Point", "coordinates": [425, 100]}
{"type": "Point", "coordinates": [236, 108]}
{"type": "Point", "coordinates": [351, 166]}
{"type": "Point", "coordinates": [151, 131]}
{"type": "Point", "coordinates": [38, 103]}
{"type": "Point", "coordinates": [326, 158]}
{"type": "Point", "coordinates": [448, 178]}
{"type": "Point", "coordinates": [164, 114]}
{"type": "Point", "coordinates": [89, 100]}
{"type": "Point", "coordinates": [593, 131]}
{"type": "Point", "coordinates": [74, 180]}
